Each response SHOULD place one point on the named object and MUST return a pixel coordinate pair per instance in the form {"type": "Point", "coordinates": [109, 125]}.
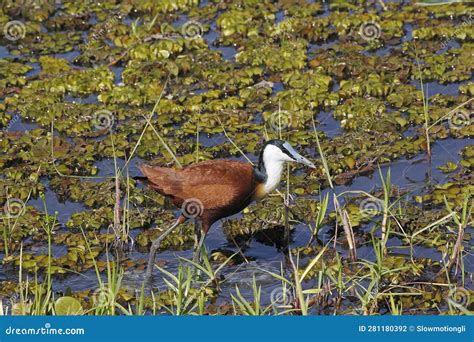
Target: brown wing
{"type": "Point", "coordinates": [216, 183]}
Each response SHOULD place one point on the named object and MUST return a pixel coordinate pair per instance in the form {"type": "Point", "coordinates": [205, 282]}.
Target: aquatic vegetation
{"type": "Point", "coordinates": [91, 89]}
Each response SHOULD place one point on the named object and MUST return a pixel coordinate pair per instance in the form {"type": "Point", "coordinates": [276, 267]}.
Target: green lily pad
{"type": "Point", "coordinates": [68, 306]}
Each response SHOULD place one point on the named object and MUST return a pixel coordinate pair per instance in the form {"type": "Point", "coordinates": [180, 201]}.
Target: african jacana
{"type": "Point", "coordinates": [210, 190]}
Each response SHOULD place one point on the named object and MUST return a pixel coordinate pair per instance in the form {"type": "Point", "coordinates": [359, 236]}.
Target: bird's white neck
{"type": "Point", "coordinates": [273, 178]}
{"type": "Point", "coordinates": [273, 162]}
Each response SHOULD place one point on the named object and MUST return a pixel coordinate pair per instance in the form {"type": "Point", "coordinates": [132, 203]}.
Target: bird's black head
{"type": "Point", "coordinates": [275, 152]}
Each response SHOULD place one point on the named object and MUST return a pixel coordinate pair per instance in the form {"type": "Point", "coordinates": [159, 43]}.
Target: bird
{"type": "Point", "coordinates": [210, 190]}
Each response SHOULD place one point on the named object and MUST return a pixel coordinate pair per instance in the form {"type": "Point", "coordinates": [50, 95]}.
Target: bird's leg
{"type": "Point", "coordinates": [154, 247]}
{"type": "Point", "coordinates": [199, 238]}
{"type": "Point", "coordinates": [197, 253]}
{"type": "Point", "coordinates": [197, 233]}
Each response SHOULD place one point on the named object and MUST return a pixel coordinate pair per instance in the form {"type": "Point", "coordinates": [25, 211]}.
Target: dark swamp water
{"type": "Point", "coordinates": [228, 35]}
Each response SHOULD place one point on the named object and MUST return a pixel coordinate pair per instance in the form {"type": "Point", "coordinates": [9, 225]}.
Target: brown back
{"type": "Point", "coordinates": [218, 184]}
